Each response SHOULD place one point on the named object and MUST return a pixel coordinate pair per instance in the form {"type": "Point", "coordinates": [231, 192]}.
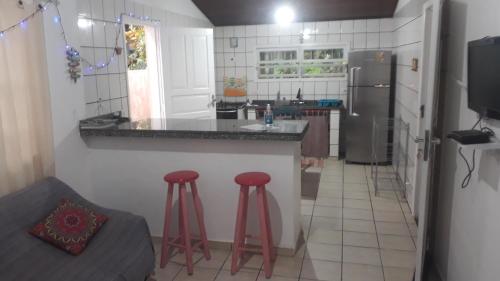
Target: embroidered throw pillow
{"type": "Point", "coordinates": [69, 227]}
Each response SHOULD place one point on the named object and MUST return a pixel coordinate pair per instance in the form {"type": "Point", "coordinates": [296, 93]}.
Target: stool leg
{"type": "Point", "coordinates": [264, 233]}
{"type": "Point", "coordinates": [186, 232]}
{"type": "Point", "coordinates": [166, 226]}
{"type": "Point", "coordinates": [244, 221]}
{"type": "Point", "coordinates": [181, 225]}
{"type": "Point", "coordinates": [269, 228]}
{"type": "Point", "coordinates": [201, 221]}
{"type": "Point", "coordinates": [237, 233]}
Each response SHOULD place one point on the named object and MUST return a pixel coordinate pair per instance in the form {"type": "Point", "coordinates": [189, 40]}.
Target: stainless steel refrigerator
{"type": "Point", "coordinates": [369, 94]}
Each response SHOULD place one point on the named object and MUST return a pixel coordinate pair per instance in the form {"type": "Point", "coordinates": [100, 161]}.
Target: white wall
{"type": "Point", "coordinates": [468, 228]}
{"type": "Point", "coordinates": [182, 7]}
{"type": "Point", "coordinates": [241, 62]}
{"type": "Point", "coordinates": [407, 45]}
{"type": "Point", "coordinates": [106, 89]}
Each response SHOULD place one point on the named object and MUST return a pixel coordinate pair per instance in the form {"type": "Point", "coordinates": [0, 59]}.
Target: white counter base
{"type": "Point", "coordinates": [127, 174]}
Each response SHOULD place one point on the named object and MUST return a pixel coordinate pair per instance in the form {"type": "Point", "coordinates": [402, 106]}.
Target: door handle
{"type": "Point", "coordinates": [213, 102]}
{"type": "Point", "coordinates": [429, 144]}
{"type": "Point", "coordinates": [353, 91]}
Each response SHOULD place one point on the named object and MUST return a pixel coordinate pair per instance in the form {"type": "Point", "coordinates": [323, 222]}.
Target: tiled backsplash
{"type": "Point", "coordinates": [106, 89]}
{"type": "Point", "coordinates": [241, 62]}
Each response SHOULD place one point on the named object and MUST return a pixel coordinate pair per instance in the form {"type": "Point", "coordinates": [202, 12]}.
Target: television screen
{"type": "Point", "coordinates": [484, 77]}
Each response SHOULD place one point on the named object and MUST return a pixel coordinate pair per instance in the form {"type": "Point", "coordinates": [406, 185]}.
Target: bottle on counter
{"type": "Point", "coordinates": [268, 116]}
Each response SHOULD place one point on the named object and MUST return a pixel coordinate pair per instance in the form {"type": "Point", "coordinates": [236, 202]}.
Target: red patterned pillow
{"type": "Point", "coordinates": [69, 227]}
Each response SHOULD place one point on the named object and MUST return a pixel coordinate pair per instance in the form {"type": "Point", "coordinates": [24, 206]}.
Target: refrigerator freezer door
{"type": "Point", "coordinates": [368, 102]}
{"type": "Point", "coordinates": [374, 68]}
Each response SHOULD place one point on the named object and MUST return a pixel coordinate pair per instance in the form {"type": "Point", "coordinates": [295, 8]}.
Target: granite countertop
{"type": "Point", "coordinates": [289, 130]}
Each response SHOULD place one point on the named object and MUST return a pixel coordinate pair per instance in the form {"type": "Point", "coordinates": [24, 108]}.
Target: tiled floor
{"type": "Point", "coordinates": [350, 234]}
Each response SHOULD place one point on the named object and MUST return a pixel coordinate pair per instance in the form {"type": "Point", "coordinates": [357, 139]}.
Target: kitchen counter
{"type": "Point", "coordinates": [128, 160]}
{"type": "Point", "coordinates": [201, 129]}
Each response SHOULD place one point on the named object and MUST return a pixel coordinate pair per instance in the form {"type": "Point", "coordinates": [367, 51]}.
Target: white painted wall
{"type": "Point", "coordinates": [468, 228]}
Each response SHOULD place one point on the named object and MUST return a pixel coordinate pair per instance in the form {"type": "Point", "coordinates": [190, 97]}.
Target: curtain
{"type": "Point", "coordinates": [26, 148]}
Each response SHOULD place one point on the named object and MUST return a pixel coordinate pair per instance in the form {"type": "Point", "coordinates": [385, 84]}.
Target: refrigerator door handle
{"type": "Point", "coordinates": [353, 91]}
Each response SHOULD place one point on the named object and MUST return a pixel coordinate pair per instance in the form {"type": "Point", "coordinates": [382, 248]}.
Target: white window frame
{"type": "Point", "coordinates": [300, 59]}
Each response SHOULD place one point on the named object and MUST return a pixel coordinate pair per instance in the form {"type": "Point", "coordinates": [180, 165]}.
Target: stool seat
{"type": "Point", "coordinates": [253, 179]}
{"type": "Point", "coordinates": [181, 177]}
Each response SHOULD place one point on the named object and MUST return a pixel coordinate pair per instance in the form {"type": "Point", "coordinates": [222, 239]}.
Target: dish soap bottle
{"type": "Point", "coordinates": [268, 116]}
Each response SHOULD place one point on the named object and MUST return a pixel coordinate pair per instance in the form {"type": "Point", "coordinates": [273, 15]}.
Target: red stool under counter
{"type": "Point", "coordinates": [259, 180]}
{"type": "Point", "coordinates": [183, 241]}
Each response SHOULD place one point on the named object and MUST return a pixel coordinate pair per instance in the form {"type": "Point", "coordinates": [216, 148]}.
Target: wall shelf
{"type": "Point", "coordinates": [494, 144]}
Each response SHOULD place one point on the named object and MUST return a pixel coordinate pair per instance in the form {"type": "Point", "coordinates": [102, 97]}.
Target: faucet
{"type": "Point", "coordinates": [299, 97]}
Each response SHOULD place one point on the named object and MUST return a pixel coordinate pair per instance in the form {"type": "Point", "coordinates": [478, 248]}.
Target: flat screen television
{"type": "Point", "coordinates": [484, 77]}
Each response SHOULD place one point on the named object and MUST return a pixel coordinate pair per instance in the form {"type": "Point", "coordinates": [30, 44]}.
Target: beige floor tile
{"type": "Point", "coordinates": [332, 179]}
{"type": "Point", "coordinates": [394, 242]}
{"type": "Point", "coordinates": [359, 226]}
{"type": "Point", "coordinates": [306, 202]}
{"type": "Point", "coordinates": [306, 223]}
{"type": "Point", "coordinates": [359, 255]}
{"type": "Point", "coordinates": [358, 214]}
{"type": "Point", "coordinates": [199, 274]}
{"type": "Point", "coordinates": [318, 235]}
{"type": "Point", "coordinates": [356, 187]}
{"type": "Point", "coordinates": [413, 229]}
{"type": "Point", "coordinates": [394, 258]}
{"type": "Point", "coordinates": [398, 274]}
{"type": "Point", "coordinates": [287, 266]}
{"type": "Point", "coordinates": [326, 223]}
{"type": "Point", "coordinates": [357, 204]}
{"type": "Point", "coordinates": [329, 202]}
{"type": "Point", "coordinates": [321, 270]}
{"type": "Point", "coordinates": [225, 275]}
{"type": "Point", "coordinates": [168, 273]}
{"type": "Point", "coordinates": [410, 219]}
{"type": "Point", "coordinates": [362, 195]}
{"type": "Point", "coordinates": [392, 228]}
{"type": "Point", "coordinates": [262, 277]}
{"type": "Point", "coordinates": [385, 205]}
{"type": "Point", "coordinates": [250, 261]}
{"type": "Point", "coordinates": [181, 258]}
{"type": "Point", "coordinates": [406, 208]}
{"type": "Point", "coordinates": [217, 260]}
{"type": "Point", "coordinates": [306, 210]}
{"type": "Point", "coordinates": [360, 239]}
{"type": "Point", "coordinates": [384, 195]}
{"type": "Point", "coordinates": [334, 193]}
{"type": "Point", "coordinates": [326, 252]}
{"type": "Point", "coordinates": [330, 212]}
{"type": "Point", "coordinates": [361, 272]}
{"type": "Point", "coordinates": [389, 216]}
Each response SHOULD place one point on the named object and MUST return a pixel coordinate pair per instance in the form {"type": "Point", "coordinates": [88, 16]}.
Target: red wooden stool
{"type": "Point", "coordinates": [183, 241]}
{"type": "Point", "coordinates": [245, 181]}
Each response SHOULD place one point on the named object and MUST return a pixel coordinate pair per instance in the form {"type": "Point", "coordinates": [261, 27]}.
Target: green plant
{"type": "Point", "coordinates": [136, 47]}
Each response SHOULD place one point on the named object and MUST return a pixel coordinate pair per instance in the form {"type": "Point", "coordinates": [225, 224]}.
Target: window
{"type": "Point", "coordinates": [278, 64]}
{"type": "Point", "coordinates": [301, 62]}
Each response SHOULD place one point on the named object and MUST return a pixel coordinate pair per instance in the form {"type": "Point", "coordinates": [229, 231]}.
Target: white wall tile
{"type": "Point", "coordinates": [229, 60]}
{"type": "Point", "coordinates": [129, 6]}
{"type": "Point", "coordinates": [285, 40]}
{"type": "Point", "coordinates": [90, 86]}
{"type": "Point", "coordinates": [219, 74]}
{"type": "Point", "coordinates": [252, 88]}
{"type": "Point", "coordinates": [347, 26]}
{"type": "Point", "coordinates": [310, 26]}
{"type": "Point", "coordinates": [113, 66]}
{"type": "Point", "coordinates": [286, 89]}
{"type": "Point", "coordinates": [219, 32]}
{"type": "Point", "coordinates": [263, 30]}
{"type": "Point", "coordinates": [333, 38]}
{"type": "Point", "coordinates": [359, 41]}
{"type": "Point", "coordinates": [219, 89]}
{"type": "Point", "coordinates": [274, 30]}
{"type": "Point", "coordinates": [139, 9]}
{"type": "Point", "coordinates": [334, 27]}
{"type": "Point", "coordinates": [373, 25]}
{"type": "Point", "coordinates": [322, 27]}
{"type": "Point", "coordinates": [116, 105]}
{"type": "Point", "coordinates": [239, 31]}
{"type": "Point", "coordinates": [241, 45]}
{"type": "Point", "coordinates": [347, 38]}
{"type": "Point", "coordinates": [250, 43]}
{"type": "Point", "coordinates": [83, 8]}
{"type": "Point", "coordinates": [385, 39]}
{"type": "Point", "coordinates": [251, 31]}
{"type": "Point", "coordinates": [91, 110]}
{"type": "Point", "coordinates": [240, 72]}
{"type": "Point", "coordinates": [373, 40]}
{"type": "Point", "coordinates": [262, 41]}
{"type": "Point", "coordinates": [274, 40]}
{"type": "Point", "coordinates": [308, 88]}
{"type": "Point", "coordinates": [86, 38]}
{"type": "Point", "coordinates": [251, 74]}
{"type": "Point", "coordinates": [109, 10]}
{"type": "Point", "coordinates": [359, 26]}
{"type": "Point", "coordinates": [263, 89]}
{"type": "Point", "coordinates": [102, 87]}
{"type": "Point", "coordinates": [333, 87]}
{"type": "Point", "coordinates": [296, 85]}
{"type": "Point", "coordinates": [114, 86]}
{"type": "Point", "coordinates": [104, 107]}
{"type": "Point", "coordinates": [230, 72]}
{"type": "Point", "coordinates": [228, 31]}
{"type": "Point", "coordinates": [251, 59]}
{"type": "Point", "coordinates": [123, 85]}
{"type": "Point", "coordinates": [125, 110]}
{"type": "Point", "coordinates": [99, 34]}
{"type": "Point", "coordinates": [219, 45]}
{"type": "Point", "coordinates": [227, 45]}
{"type": "Point", "coordinates": [386, 25]}
{"type": "Point", "coordinates": [274, 87]}
{"type": "Point", "coordinates": [111, 32]}
{"type": "Point", "coordinates": [97, 9]}
{"type": "Point", "coordinates": [296, 28]}
{"type": "Point", "coordinates": [320, 88]}
{"type": "Point", "coordinates": [321, 38]}
{"type": "Point", "coordinates": [101, 57]}
{"type": "Point", "coordinates": [219, 59]}
{"type": "Point", "coordinates": [119, 8]}
{"type": "Point", "coordinates": [240, 59]}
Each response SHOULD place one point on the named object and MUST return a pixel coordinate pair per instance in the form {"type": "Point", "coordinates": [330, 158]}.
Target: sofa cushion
{"type": "Point", "coordinates": [70, 226]}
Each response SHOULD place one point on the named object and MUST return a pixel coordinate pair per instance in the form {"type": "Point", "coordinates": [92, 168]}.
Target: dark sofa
{"type": "Point", "coordinates": [121, 251]}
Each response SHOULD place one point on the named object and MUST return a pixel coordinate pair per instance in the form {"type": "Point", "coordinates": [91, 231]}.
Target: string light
{"type": "Point", "coordinates": [91, 68]}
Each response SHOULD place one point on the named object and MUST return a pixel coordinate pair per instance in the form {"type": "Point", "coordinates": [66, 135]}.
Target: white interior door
{"type": "Point", "coordinates": [429, 84]}
{"type": "Point", "coordinates": [190, 83]}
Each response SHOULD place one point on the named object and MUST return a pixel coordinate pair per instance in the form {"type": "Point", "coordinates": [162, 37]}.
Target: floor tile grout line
{"type": "Point", "coordinates": [343, 205]}
{"type": "Point", "coordinates": [376, 233]}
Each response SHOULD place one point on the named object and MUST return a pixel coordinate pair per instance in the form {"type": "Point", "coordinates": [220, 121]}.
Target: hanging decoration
{"type": "Point", "coordinates": [72, 54]}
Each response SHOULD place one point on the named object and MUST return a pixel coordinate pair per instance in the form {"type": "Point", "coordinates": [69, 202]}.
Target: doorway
{"type": "Point", "coordinates": [144, 70]}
